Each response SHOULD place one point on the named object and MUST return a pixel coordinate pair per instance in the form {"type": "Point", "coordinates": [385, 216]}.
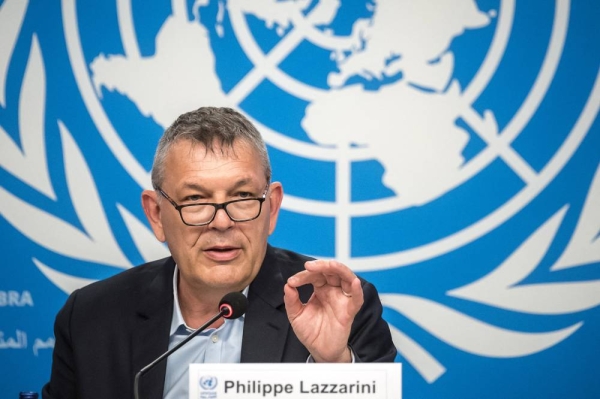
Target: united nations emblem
{"type": "Point", "coordinates": [208, 382]}
{"type": "Point", "coordinates": [417, 142]}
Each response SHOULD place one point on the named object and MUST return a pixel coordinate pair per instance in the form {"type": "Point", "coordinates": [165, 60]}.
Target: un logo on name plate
{"type": "Point", "coordinates": [392, 128]}
{"type": "Point", "coordinates": [208, 382]}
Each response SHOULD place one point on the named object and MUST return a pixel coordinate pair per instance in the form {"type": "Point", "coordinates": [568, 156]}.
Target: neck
{"type": "Point", "coordinates": [199, 304]}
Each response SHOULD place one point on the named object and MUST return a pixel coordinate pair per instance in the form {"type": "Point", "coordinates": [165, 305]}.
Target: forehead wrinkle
{"type": "Point", "coordinates": [201, 162]}
{"type": "Point", "coordinates": [200, 187]}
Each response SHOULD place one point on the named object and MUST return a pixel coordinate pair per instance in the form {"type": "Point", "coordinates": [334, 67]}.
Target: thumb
{"type": "Point", "coordinates": [293, 305]}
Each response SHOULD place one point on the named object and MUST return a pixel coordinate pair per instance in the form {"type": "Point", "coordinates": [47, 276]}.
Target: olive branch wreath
{"type": "Point", "coordinates": [95, 241]}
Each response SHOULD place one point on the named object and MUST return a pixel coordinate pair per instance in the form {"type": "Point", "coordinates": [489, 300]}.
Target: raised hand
{"type": "Point", "coordinates": [323, 323]}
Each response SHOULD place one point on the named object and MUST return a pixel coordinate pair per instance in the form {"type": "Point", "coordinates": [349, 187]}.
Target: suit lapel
{"type": "Point", "coordinates": [265, 325]}
{"type": "Point", "coordinates": [150, 337]}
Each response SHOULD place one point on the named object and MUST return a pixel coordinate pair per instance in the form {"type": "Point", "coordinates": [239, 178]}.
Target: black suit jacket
{"type": "Point", "coordinates": [108, 331]}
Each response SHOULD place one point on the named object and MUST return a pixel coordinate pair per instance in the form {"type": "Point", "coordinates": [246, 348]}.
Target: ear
{"type": "Point", "coordinates": [152, 211]}
{"type": "Point", "coordinates": [275, 197]}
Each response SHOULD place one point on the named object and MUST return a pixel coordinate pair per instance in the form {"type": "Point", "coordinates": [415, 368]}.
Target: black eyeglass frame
{"type": "Point", "coordinates": [217, 206]}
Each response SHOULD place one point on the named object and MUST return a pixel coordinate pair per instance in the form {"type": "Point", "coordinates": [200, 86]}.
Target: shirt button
{"type": "Point", "coordinates": [214, 338]}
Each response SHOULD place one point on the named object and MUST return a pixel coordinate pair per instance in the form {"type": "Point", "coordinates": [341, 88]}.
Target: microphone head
{"type": "Point", "coordinates": [233, 305]}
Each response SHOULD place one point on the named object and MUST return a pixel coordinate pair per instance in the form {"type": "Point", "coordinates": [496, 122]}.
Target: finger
{"type": "Point", "coordinates": [331, 268]}
{"type": "Point", "coordinates": [306, 277]}
{"type": "Point", "coordinates": [293, 305]}
{"type": "Point", "coordinates": [333, 280]}
{"type": "Point", "coordinates": [349, 288]}
{"type": "Point", "coordinates": [355, 293]}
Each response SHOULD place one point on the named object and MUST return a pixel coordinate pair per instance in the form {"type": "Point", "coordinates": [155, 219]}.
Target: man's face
{"type": "Point", "coordinates": [223, 255]}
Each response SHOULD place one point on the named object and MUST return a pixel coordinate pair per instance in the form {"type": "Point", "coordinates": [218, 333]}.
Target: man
{"type": "Point", "coordinates": [214, 205]}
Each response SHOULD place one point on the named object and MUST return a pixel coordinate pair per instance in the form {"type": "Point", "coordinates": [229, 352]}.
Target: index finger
{"type": "Point", "coordinates": [307, 277]}
{"type": "Point", "coordinates": [331, 268]}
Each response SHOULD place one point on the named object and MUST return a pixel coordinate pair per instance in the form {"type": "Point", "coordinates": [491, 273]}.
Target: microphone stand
{"type": "Point", "coordinates": [223, 311]}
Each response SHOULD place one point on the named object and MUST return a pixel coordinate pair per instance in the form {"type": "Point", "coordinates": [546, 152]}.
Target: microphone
{"type": "Point", "coordinates": [231, 306]}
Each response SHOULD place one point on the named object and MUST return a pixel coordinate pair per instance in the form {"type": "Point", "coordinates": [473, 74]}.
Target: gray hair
{"type": "Point", "coordinates": [209, 126]}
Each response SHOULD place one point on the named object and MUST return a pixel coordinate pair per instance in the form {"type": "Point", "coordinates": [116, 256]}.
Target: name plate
{"type": "Point", "coordinates": [296, 380]}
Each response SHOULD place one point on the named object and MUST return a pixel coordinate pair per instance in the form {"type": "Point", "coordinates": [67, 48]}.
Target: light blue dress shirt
{"type": "Point", "coordinates": [220, 345]}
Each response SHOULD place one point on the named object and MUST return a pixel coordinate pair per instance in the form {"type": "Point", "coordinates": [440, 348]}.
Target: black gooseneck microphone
{"type": "Point", "coordinates": [232, 306]}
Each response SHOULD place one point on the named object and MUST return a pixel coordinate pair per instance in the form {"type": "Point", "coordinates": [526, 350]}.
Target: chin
{"type": "Point", "coordinates": [229, 281]}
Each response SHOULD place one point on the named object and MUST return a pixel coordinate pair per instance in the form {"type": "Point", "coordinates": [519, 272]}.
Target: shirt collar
{"type": "Point", "coordinates": [177, 322]}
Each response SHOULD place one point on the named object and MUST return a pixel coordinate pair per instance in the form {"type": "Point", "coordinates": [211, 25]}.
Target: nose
{"type": "Point", "coordinates": [221, 220]}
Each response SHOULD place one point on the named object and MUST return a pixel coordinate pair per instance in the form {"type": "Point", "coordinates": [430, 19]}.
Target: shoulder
{"type": "Point", "coordinates": [286, 259]}
{"type": "Point", "coordinates": [119, 290]}
{"type": "Point", "coordinates": [131, 279]}
{"type": "Point", "coordinates": [293, 262]}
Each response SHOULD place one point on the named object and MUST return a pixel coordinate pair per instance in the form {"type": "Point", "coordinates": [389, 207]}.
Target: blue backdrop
{"type": "Point", "coordinates": [448, 151]}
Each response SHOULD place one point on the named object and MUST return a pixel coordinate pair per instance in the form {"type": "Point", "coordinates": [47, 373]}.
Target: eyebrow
{"type": "Point", "coordinates": [200, 187]}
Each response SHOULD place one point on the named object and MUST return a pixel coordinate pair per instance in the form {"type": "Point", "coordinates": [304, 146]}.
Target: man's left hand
{"type": "Point", "coordinates": [323, 323]}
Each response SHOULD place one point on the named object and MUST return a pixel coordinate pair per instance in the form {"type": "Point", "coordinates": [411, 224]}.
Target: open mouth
{"type": "Point", "coordinates": [222, 252]}
{"type": "Point", "coordinates": [222, 249]}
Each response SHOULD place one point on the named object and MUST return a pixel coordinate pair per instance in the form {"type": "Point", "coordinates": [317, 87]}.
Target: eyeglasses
{"type": "Point", "coordinates": [241, 210]}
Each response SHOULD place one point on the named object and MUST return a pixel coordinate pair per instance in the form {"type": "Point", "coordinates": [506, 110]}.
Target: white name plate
{"type": "Point", "coordinates": [296, 380]}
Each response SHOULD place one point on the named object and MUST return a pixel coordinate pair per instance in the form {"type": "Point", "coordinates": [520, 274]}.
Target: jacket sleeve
{"type": "Point", "coordinates": [370, 337]}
